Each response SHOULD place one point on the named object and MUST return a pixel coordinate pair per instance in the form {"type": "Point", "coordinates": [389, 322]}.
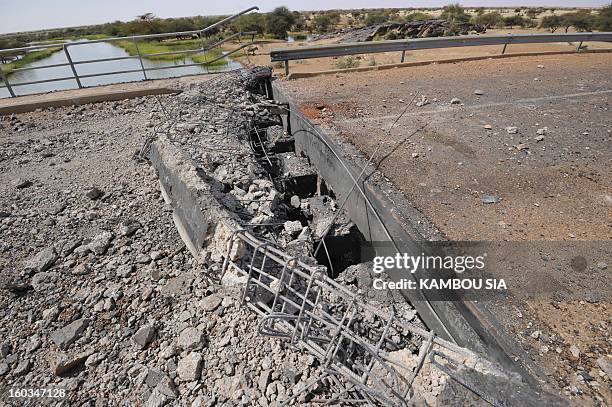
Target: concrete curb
{"type": "Point", "coordinates": [302, 75]}
{"type": "Point", "coordinates": [472, 328]}
{"type": "Point", "coordinates": [205, 225]}
{"type": "Point", "coordinates": [17, 106]}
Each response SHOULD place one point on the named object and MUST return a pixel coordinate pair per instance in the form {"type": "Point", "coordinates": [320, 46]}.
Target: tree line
{"type": "Point", "coordinates": [281, 20]}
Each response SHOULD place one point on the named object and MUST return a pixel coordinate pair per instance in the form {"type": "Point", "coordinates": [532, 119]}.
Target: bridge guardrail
{"type": "Point", "coordinates": [321, 51]}
{"type": "Point", "coordinates": [139, 56]}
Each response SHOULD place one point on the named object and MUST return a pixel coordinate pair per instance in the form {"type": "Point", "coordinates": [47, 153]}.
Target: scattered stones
{"type": "Point", "coordinates": [62, 363]}
{"type": "Point", "coordinates": [293, 227]}
{"type": "Point", "coordinates": [65, 336]}
{"type": "Point", "coordinates": [455, 101]}
{"type": "Point", "coordinates": [23, 367]}
{"type": "Point", "coordinates": [100, 243]}
{"type": "Point", "coordinates": [144, 336]}
{"type": "Point", "coordinates": [489, 199]}
{"type": "Point", "coordinates": [539, 138]}
{"type": "Point", "coordinates": [191, 339]}
{"type": "Point", "coordinates": [574, 351]}
{"type": "Point", "coordinates": [210, 303]}
{"type": "Point", "coordinates": [423, 101]}
{"type": "Point", "coordinates": [512, 130]}
{"type": "Point", "coordinates": [488, 127]}
{"type": "Point", "coordinates": [478, 92]}
{"type": "Point", "coordinates": [94, 193]}
{"type": "Point", "coordinates": [605, 364]}
{"type": "Point", "coordinates": [42, 261]}
{"type": "Point", "coordinates": [190, 367]}
{"type": "Point", "coordinates": [22, 183]}
{"type": "Point", "coordinates": [602, 265]}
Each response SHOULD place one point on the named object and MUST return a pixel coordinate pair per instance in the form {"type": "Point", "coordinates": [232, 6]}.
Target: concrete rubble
{"type": "Point", "coordinates": [411, 29]}
{"type": "Point", "coordinates": [125, 313]}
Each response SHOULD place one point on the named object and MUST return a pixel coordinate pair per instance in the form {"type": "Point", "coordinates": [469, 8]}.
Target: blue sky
{"type": "Point", "coordinates": [27, 15]}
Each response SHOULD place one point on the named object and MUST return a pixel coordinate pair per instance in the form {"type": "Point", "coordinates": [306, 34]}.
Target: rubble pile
{"type": "Point", "coordinates": [410, 29]}
{"type": "Point", "coordinates": [98, 293]}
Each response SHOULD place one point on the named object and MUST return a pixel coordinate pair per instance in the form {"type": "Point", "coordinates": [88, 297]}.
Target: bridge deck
{"type": "Point", "coordinates": [550, 189]}
{"type": "Point", "coordinates": [558, 187]}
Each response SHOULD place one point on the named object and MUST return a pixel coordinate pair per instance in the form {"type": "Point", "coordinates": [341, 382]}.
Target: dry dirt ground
{"type": "Point", "coordinates": [550, 178]}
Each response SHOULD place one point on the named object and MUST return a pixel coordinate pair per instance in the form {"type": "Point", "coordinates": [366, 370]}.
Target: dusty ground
{"type": "Point", "coordinates": [556, 188]}
{"type": "Point", "coordinates": [551, 186]}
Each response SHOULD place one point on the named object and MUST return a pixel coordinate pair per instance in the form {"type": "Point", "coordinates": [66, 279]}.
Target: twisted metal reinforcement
{"type": "Point", "coordinates": [354, 341]}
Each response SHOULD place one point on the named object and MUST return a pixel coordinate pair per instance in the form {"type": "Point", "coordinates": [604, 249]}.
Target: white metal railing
{"type": "Point", "coordinates": [321, 51]}
{"type": "Point", "coordinates": [135, 38]}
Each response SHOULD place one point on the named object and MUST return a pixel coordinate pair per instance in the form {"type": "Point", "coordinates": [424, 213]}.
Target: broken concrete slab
{"type": "Point", "coordinates": [196, 199]}
{"type": "Point", "coordinates": [67, 335]}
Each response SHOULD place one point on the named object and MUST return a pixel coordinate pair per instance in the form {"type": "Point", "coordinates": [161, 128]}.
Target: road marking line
{"type": "Point", "coordinates": [485, 105]}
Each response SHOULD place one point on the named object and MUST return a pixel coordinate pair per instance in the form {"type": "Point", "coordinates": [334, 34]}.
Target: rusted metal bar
{"type": "Point", "coordinates": [7, 83]}
{"type": "Point", "coordinates": [74, 72]}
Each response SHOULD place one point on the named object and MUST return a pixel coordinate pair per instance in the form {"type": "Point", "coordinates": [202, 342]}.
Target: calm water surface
{"type": "Point", "coordinates": [96, 51]}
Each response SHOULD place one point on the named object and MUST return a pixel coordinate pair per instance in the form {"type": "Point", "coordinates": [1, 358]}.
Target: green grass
{"type": "Point", "coordinates": [154, 47]}
{"type": "Point", "coordinates": [28, 58]}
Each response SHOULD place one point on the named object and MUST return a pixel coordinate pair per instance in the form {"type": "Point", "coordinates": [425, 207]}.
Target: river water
{"type": "Point", "coordinates": [97, 51]}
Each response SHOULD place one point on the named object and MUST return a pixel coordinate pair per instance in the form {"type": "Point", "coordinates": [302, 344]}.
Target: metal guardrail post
{"type": "Point", "coordinates": [504, 48]}
{"type": "Point", "coordinates": [370, 47]}
{"type": "Point", "coordinates": [74, 72]}
{"type": "Point", "coordinates": [579, 47]}
{"type": "Point", "coordinates": [6, 81]}
{"type": "Point", "coordinates": [287, 68]}
{"type": "Point", "coordinates": [403, 56]}
{"type": "Point", "coordinates": [144, 71]}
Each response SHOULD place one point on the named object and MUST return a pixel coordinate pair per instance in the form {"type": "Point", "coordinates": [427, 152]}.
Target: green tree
{"type": "Point", "coordinates": [417, 16]}
{"type": "Point", "coordinates": [279, 21]}
{"type": "Point", "coordinates": [513, 21]}
{"type": "Point", "coordinates": [250, 22]}
{"type": "Point", "coordinates": [376, 18]}
{"type": "Point", "coordinates": [580, 20]}
{"type": "Point", "coordinates": [493, 19]}
{"type": "Point", "coordinates": [300, 23]}
{"type": "Point", "coordinates": [604, 20]}
{"type": "Point", "coordinates": [552, 22]}
{"type": "Point", "coordinates": [322, 22]}
{"type": "Point", "coordinates": [147, 23]}
{"type": "Point", "coordinates": [454, 13]}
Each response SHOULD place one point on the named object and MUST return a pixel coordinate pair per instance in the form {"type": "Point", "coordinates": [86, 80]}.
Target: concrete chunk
{"type": "Point", "coordinates": [65, 336]}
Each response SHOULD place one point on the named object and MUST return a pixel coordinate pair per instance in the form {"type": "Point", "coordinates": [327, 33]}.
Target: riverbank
{"type": "Point", "coordinates": [29, 58]}
{"type": "Point", "coordinates": [155, 47]}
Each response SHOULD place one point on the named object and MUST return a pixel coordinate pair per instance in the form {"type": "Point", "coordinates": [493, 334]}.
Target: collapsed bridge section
{"type": "Point", "coordinates": [246, 198]}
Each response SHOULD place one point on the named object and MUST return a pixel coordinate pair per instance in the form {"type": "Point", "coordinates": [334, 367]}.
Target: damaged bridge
{"type": "Point", "coordinates": [280, 211]}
